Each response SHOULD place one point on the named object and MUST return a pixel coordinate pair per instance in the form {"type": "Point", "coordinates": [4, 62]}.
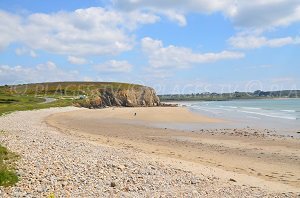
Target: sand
{"type": "Point", "coordinates": [70, 164]}
{"type": "Point", "coordinates": [146, 114]}
{"type": "Point", "coordinates": [250, 157]}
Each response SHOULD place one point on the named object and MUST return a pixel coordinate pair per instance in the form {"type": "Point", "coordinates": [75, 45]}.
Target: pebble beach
{"type": "Point", "coordinates": [64, 165]}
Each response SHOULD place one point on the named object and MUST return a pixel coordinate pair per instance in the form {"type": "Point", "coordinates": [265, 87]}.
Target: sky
{"type": "Point", "coordinates": [174, 46]}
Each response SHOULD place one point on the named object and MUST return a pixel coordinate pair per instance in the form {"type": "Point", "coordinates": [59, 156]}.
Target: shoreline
{"type": "Point", "coordinates": [173, 101]}
{"type": "Point", "coordinates": [67, 162]}
{"type": "Point", "coordinates": [282, 120]}
{"type": "Point", "coordinates": [210, 148]}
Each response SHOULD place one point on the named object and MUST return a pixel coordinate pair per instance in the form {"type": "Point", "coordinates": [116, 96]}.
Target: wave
{"type": "Point", "coordinates": [210, 108]}
{"type": "Point", "coordinates": [252, 108]}
{"type": "Point", "coordinates": [270, 115]}
{"type": "Point", "coordinates": [254, 117]}
{"type": "Point", "coordinates": [203, 109]}
{"type": "Point", "coordinates": [232, 107]}
{"type": "Point", "coordinates": [290, 111]}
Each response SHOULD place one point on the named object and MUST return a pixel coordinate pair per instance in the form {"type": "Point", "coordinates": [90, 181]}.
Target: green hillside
{"type": "Point", "coordinates": [33, 96]}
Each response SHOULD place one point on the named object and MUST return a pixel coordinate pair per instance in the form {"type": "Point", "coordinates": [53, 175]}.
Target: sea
{"type": "Point", "coordinates": [282, 115]}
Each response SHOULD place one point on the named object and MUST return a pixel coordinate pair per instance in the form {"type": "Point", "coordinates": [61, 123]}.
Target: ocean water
{"type": "Point", "coordinates": [282, 115]}
{"type": "Point", "coordinates": [276, 108]}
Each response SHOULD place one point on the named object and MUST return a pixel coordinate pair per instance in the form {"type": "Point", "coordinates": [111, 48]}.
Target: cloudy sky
{"type": "Point", "coordinates": [175, 46]}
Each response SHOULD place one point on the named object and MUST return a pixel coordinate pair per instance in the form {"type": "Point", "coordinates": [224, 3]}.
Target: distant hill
{"type": "Point", "coordinates": [231, 96]}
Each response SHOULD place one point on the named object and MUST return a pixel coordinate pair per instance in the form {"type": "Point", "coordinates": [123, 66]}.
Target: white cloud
{"type": "Point", "coordinates": [9, 29]}
{"type": "Point", "coordinates": [132, 19]}
{"type": "Point", "coordinates": [91, 31]}
{"type": "Point", "coordinates": [76, 60]}
{"type": "Point", "coordinates": [180, 57]}
{"type": "Point", "coordinates": [205, 6]}
{"type": "Point", "coordinates": [252, 42]}
{"type": "Point", "coordinates": [25, 51]}
{"type": "Point", "coordinates": [174, 10]}
{"type": "Point", "coordinates": [41, 73]}
{"type": "Point", "coordinates": [177, 17]}
{"type": "Point", "coordinates": [243, 13]}
{"type": "Point", "coordinates": [266, 14]}
{"type": "Point", "coordinates": [114, 66]}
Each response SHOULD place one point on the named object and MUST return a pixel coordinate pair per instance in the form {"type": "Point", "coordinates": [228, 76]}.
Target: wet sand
{"type": "Point", "coordinates": [253, 157]}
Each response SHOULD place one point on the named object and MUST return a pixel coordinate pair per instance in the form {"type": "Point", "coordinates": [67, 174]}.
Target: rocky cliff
{"type": "Point", "coordinates": [139, 96]}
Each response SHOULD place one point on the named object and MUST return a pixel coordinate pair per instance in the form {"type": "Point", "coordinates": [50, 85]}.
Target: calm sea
{"type": "Point", "coordinates": [279, 114]}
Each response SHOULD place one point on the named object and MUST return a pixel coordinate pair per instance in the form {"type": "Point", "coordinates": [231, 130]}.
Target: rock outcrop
{"type": "Point", "coordinates": [139, 96]}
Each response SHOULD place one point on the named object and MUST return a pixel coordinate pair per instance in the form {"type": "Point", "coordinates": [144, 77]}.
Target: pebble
{"type": "Point", "coordinates": [113, 184]}
{"type": "Point", "coordinates": [232, 180]}
{"type": "Point", "coordinates": [59, 164]}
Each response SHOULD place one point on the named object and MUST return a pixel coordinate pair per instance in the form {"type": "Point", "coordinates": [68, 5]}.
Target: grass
{"type": "Point", "coordinates": [30, 96]}
{"type": "Point", "coordinates": [51, 195]}
{"type": "Point", "coordinates": [64, 88]}
{"type": "Point", "coordinates": [8, 176]}
{"type": "Point", "coordinates": [24, 102]}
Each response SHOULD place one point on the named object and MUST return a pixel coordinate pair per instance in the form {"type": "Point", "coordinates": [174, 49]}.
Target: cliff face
{"type": "Point", "coordinates": [134, 97]}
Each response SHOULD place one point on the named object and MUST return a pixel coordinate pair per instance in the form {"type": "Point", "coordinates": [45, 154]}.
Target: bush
{"type": "Point", "coordinates": [8, 176]}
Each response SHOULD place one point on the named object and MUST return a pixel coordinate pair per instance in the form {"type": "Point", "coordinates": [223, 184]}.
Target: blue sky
{"type": "Point", "coordinates": [174, 46]}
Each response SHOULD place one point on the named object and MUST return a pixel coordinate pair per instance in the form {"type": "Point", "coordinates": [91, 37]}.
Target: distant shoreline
{"type": "Point", "coordinates": [233, 99]}
{"type": "Point", "coordinates": [207, 96]}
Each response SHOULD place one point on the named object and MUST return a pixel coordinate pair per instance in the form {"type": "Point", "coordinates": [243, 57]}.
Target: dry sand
{"type": "Point", "coordinates": [250, 157]}
{"type": "Point", "coordinates": [76, 165]}
{"type": "Point", "coordinates": [146, 114]}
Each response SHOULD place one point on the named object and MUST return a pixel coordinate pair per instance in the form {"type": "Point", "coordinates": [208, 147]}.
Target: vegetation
{"type": "Point", "coordinates": [231, 96]}
{"type": "Point", "coordinates": [64, 88]}
{"type": "Point", "coordinates": [24, 102]}
{"type": "Point", "coordinates": [52, 195]}
{"type": "Point", "coordinates": [8, 176]}
{"type": "Point", "coordinates": [32, 96]}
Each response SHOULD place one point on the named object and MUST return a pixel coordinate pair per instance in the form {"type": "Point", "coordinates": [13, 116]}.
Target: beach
{"type": "Point", "coordinates": [122, 152]}
{"type": "Point", "coordinates": [154, 99]}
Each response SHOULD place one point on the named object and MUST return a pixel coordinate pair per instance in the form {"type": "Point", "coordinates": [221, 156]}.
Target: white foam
{"type": "Point", "coordinates": [290, 111]}
{"type": "Point", "coordinates": [211, 110]}
{"type": "Point", "coordinates": [251, 108]}
{"type": "Point", "coordinates": [231, 107]}
{"type": "Point", "coordinates": [270, 115]}
{"type": "Point", "coordinates": [254, 117]}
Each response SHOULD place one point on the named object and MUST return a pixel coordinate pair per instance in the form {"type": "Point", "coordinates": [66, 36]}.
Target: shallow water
{"type": "Point", "coordinates": [283, 115]}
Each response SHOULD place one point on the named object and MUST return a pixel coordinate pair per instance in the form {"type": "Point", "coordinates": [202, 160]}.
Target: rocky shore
{"type": "Point", "coordinates": [67, 166]}
{"type": "Point", "coordinates": [135, 96]}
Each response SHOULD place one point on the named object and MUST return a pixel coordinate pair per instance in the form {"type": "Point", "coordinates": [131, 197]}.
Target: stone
{"type": "Point", "coordinates": [232, 180]}
{"type": "Point", "coordinates": [76, 167]}
{"type": "Point", "coordinates": [113, 184]}
{"type": "Point", "coordinates": [136, 96]}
